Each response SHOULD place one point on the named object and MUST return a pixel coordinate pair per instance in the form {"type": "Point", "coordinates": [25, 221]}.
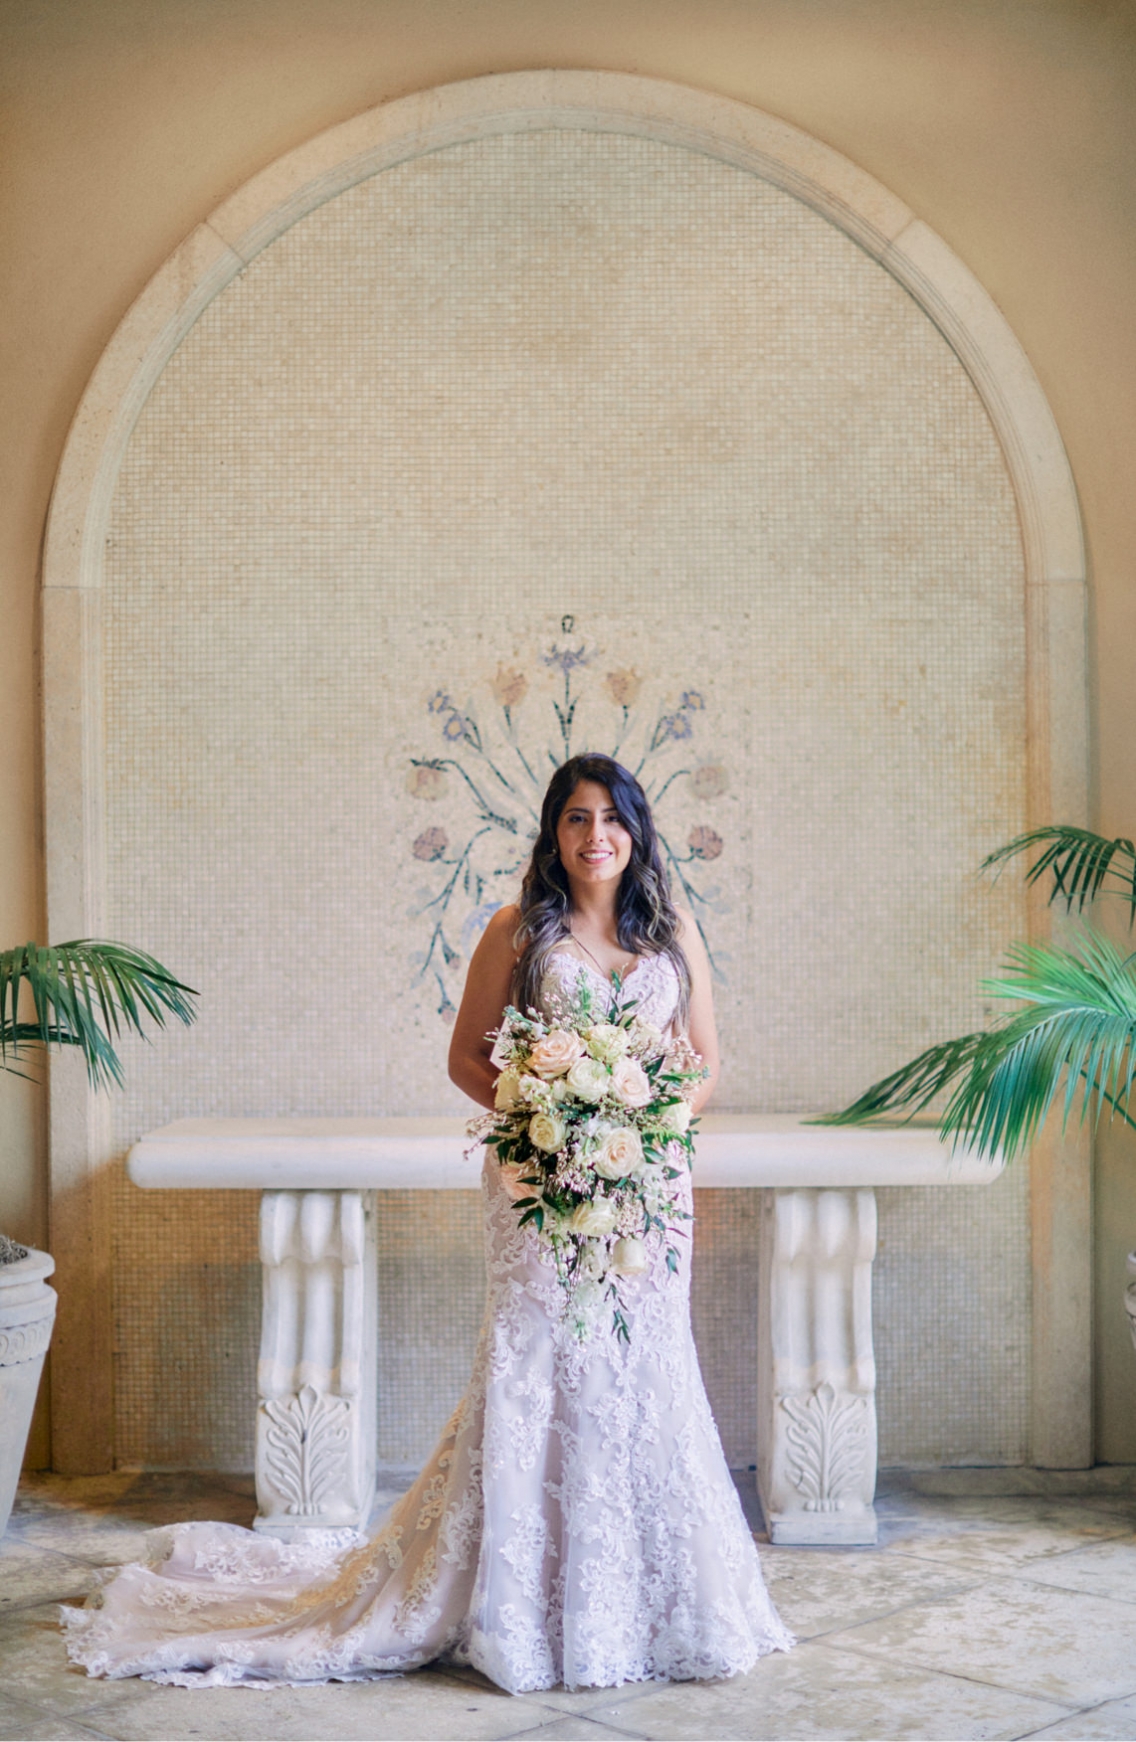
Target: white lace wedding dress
{"type": "Point", "coordinates": [576, 1522]}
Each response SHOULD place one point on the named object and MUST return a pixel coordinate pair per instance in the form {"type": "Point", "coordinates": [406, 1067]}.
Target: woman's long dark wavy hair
{"type": "Point", "coordinates": [646, 921]}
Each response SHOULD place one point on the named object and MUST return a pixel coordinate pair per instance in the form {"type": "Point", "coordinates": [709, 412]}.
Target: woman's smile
{"type": "Point", "coordinates": [591, 837]}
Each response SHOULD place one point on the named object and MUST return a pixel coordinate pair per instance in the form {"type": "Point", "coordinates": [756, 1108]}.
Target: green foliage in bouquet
{"type": "Point", "coordinates": [1070, 1036]}
{"type": "Point", "coordinates": [593, 1128]}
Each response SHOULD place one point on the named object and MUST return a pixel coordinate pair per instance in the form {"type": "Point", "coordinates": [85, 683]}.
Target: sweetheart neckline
{"type": "Point", "coordinates": [609, 981]}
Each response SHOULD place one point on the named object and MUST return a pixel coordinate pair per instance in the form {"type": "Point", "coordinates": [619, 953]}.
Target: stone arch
{"type": "Point", "coordinates": [220, 248]}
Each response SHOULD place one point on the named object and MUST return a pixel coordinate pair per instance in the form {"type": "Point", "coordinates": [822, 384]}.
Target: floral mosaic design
{"type": "Point", "coordinates": [494, 756]}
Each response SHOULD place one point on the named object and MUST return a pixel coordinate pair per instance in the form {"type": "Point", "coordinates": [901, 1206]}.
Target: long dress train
{"type": "Point", "coordinates": [576, 1523]}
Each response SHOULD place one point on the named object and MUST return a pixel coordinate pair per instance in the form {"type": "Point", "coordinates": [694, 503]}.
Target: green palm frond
{"type": "Point", "coordinates": [1080, 863]}
{"type": "Point", "coordinates": [85, 994]}
{"type": "Point", "coordinates": [1076, 1023]}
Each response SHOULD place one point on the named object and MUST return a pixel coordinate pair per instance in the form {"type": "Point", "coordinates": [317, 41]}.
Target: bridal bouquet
{"type": "Point", "coordinates": [591, 1128]}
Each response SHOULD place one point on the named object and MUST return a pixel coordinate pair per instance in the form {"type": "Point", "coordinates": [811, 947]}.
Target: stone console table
{"type": "Point", "coordinates": [315, 1428]}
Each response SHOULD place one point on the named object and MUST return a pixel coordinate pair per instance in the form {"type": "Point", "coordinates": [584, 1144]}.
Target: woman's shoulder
{"type": "Point", "coordinates": [499, 939]}
{"type": "Point", "coordinates": [504, 923]}
{"type": "Point", "coordinates": [686, 924]}
{"type": "Point", "coordinates": [689, 938]}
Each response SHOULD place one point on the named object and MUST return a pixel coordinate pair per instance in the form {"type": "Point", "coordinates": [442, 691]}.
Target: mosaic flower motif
{"type": "Point", "coordinates": [566, 659]}
{"type": "Point", "coordinates": [509, 687]}
{"type": "Point", "coordinates": [676, 726]}
{"type": "Point", "coordinates": [704, 842]}
{"type": "Point", "coordinates": [623, 687]}
{"type": "Point", "coordinates": [709, 781]}
{"type": "Point", "coordinates": [496, 775]}
{"type": "Point", "coordinates": [426, 781]}
{"type": "Point", "coordinates": [430, 844]}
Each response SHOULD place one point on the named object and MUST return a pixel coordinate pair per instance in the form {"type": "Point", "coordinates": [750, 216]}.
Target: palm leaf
{"type": "Point", "coordinates": [85, 994]}
{"type": "Point", "coordinates": [1075, 1025]}
{"type": "Point", "coordinates": [1079, 861]}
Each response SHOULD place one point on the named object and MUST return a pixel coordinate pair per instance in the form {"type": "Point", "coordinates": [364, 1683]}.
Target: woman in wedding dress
{"type": "Point", "coordinates": [576, 1523]}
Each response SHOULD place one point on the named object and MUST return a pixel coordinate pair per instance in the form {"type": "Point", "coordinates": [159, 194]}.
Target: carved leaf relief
{"type": "Point", "coordinates": [828, 1443]}
{"type": "Point", "coordinates": [306, 1448]}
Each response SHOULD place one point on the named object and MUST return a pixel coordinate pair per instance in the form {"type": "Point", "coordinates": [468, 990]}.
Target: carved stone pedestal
{"type": "Point", "coordinates": [816, 1472]}
{"type": "Point", "coordinates": [315, 1419]}
{"type": "Point", "coordinates": [315, 1435]}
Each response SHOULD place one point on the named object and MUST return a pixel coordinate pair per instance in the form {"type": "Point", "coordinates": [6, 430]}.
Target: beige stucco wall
{"type": "Point", "coordinates": [1010, 129]}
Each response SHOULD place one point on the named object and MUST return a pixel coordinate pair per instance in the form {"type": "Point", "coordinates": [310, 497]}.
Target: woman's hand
{"type": "Point", "coordinates": [483, 1004]}
{"type": "Point", "coordinates": [701, 1027]}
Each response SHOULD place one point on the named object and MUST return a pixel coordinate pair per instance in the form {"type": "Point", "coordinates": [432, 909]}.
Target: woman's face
{"type": "Point", "coordinates": [592, 842]}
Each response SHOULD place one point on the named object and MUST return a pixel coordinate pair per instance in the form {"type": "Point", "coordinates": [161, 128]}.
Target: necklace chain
{"type": "Point", "coordinates": [587, 952]}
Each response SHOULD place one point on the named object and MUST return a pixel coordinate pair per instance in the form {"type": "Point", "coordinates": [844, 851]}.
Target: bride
{"type": "Point", "coordinates": [576, 1522]}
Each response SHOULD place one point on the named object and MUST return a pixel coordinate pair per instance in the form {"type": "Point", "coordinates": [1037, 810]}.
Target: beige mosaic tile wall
{"type": "Point", "coordinates": [552, 439]}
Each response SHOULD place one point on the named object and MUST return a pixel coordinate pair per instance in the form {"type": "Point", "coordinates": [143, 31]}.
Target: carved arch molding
{"type": "Point", "coordinates": [219, 249]}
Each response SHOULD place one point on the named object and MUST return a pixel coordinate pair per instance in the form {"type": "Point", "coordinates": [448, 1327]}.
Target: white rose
{"type": "Point", "coordinates": [675, 1118]}
{"type": "Point", "coordinates": [630, 1082]}
{"type": "Point", "coordinates": [589, 1079]}
{"type": "Point", "coordinates": [629, 1257]}
{"type": "Point", "coordinates": [645, 1039]}
{"type": "Point", "coordinates": [547, 1132]}
{"type": "Point", "coordinates": [619, 1154]}
{"type": "Point", "coordinates": [606, 1041]}
{"type": "Point", "coordinates": [506, 1095]}
{"type": "Point", "coordinates": [512, 1174]}
{"type": "Point", "coordinates": [555, 1052]}
{"type": "Point", "coordinates": [594, 1219]}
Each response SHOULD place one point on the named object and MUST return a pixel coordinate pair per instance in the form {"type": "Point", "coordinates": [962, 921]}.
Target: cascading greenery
{"type": "Point", "coordinates": [84, 994]}
{"type": "Point", "coordinates": [1071, 1036]}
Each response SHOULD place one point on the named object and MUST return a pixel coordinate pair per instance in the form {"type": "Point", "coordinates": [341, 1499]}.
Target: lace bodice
{"type": "Point", "coordinates": [576, 1522]}
{"type": "Point", "coordinates": [653, 984]}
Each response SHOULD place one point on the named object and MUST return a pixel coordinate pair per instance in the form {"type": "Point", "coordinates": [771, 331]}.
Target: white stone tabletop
{"type": "Point", "coordinates": [732, 1149]}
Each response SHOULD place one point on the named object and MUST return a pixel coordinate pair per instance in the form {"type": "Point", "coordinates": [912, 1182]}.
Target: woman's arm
{"type": "Point", "coordinates": [700, 1024]}
{"type": "Point", "coordinates": [483, 1002]}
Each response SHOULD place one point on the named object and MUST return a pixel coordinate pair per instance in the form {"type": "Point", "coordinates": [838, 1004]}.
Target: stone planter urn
{"type": "Point", "coordinates": [27, 1312]}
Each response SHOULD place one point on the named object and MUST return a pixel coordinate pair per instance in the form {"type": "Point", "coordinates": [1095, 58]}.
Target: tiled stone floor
{"type": "Point", "coordinates": [999, 1604]}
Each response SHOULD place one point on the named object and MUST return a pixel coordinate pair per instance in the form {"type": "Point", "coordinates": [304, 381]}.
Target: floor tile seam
{"type": "Point", "coordinates": [884, 1614]}
{"type": "Point", "coordinates": [1078, 1591]}
{"type": "Point", "coordinates": [618, 1695]}
{"type": "Point", "coordinates": [984, 1574]}
{"type": "Point", "coordinates": [632, 1735]}
{"type": "Point", "coordinates": [131, 1691]}
{"type": "Point", "coordinates": [1081, 1712]}
{"type": "Point", "coordinates": [1068, 1708]}
{"type": "Point", "coordinates": [1015, 1581]}
{"type": "Point", "coordinates": [613, 1723]}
